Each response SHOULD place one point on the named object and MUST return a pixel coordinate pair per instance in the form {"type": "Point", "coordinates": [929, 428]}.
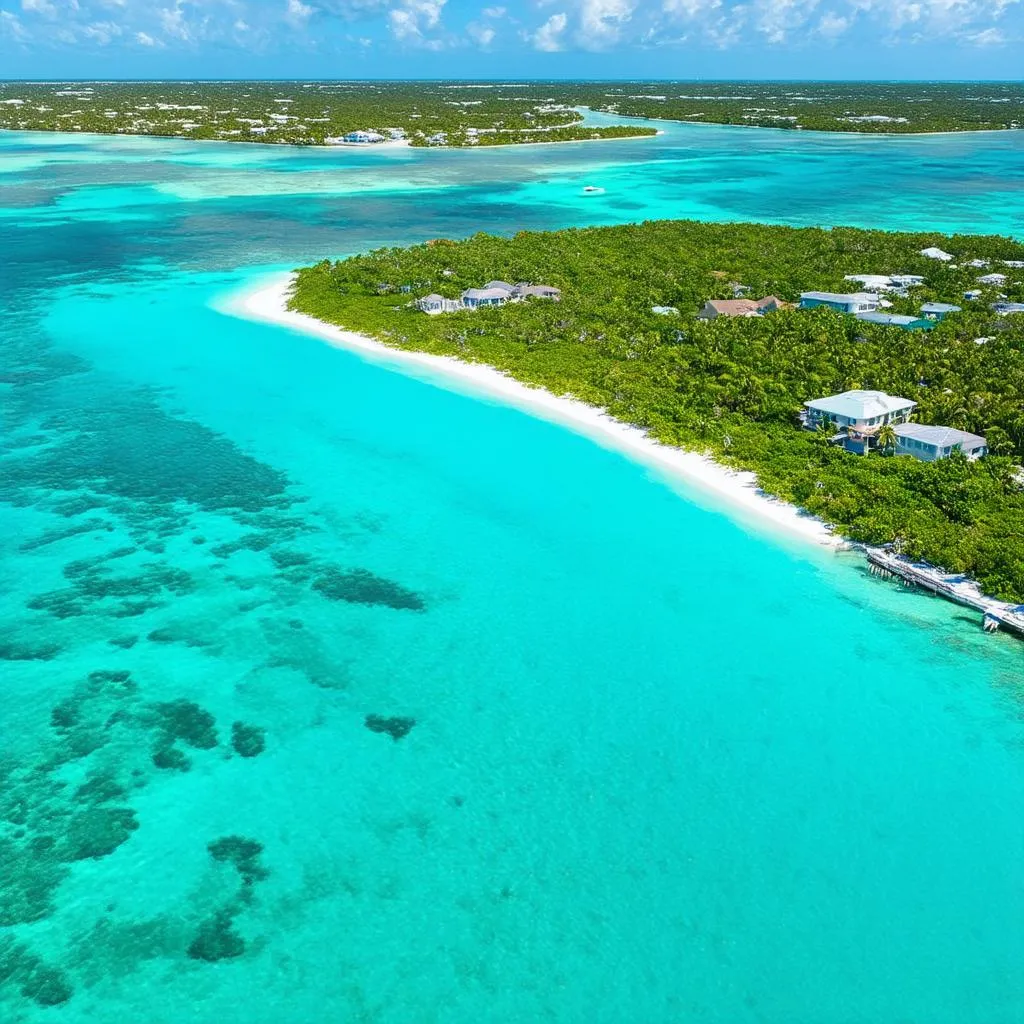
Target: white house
{"type": "Point", "coordinates": [930, 443]}
{"type": "Point", "coordinates": [907, 280]}
{"type": "Point", "coordinates": [934, 253]}
{"type": "Point", "coordinates": [362, 137]}
{"type": "Point", "coordinates": [871, 282]}
{"type": "Point", "coordinates": [939, 310]}
{"type": "Point", "coordinates": [1004, 308]}
{"type": "Point", "coordinates": [858, 414]}
{"type": "Point", "coordinates": [509, 289]}
{"type": "Point", "coordinates": [858, 302]}
{"type": "Point", "coordinates": [992, 279]}
{"type": "Point", "coordinates": [474, 298]}
{"type": "Point", "coordinates": [434, 304]}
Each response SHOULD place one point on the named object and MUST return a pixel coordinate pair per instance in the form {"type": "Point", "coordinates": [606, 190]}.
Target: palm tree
{"type": "Point", "coordinates": [886, 437]}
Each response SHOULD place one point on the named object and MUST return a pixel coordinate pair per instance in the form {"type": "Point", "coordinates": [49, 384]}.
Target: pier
{"type": "Point", "coordinates": [952, 586]}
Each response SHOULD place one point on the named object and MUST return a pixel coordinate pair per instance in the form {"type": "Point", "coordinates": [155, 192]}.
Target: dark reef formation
{"type": "Point", "coordinates": [396, 726]}
{"type": "Point", "coordinates": [248, 740]}
{"type": "Point", "coordinates": [360, 586]}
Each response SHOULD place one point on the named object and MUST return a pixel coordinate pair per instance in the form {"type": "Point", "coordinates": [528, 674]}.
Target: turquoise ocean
{"type": "Point", "coordinates": [330, 694]}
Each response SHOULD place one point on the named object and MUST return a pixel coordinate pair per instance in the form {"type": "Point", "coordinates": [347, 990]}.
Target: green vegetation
{"type": "Point", "coordinates": [734, 387]}
{"type": "Point", "coordinates": [488, 114]}
{"type": "Point", "coordinates": [303, 113]}
{"type": "Point", "coordinates": [821, 106]}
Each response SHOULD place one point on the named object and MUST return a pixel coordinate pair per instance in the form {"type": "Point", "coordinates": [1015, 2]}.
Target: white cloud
{"type": "Point", "coordinates": [410, 22]}
{"type": "Point", "coordinates": [144, 39]}
{"type": "Point", "coordinates": [11, 26]}
{"type": "Point", "coordinates": [601, 22]}
{"type": "Point", "coordinates": [548, 37]}
{"type": "Point", "coordinates": [832, 25]}
{"type": "Point", "coordinates": [987, 37]}
{"type": "Point", "coordinates": [44, 8]}
{"type": "Point", "coordinates": [102, 32]}
{"type": "Point", "coordinates": [493, 12]}
{"type": "Point", "coordinates": [482, 35]}
{"type": "Point", "coordinates": [297, 13]}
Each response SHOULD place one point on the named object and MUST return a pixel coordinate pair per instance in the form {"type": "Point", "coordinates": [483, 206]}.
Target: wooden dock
{"type": "Point", "coordinates": [952, 586]}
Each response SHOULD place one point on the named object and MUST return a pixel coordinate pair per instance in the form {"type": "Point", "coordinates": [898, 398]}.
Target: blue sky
{"type": "Point", "coordinates": [920, 39]}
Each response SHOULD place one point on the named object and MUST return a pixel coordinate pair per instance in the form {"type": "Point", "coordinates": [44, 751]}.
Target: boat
{"type": "Point", "coordinates": [592, 190]}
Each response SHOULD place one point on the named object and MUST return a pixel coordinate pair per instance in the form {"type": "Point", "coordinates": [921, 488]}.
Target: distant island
{"type": "Point", "coordinates": [467, 114]}
{"type": "Point", "coordinates": [695, 333]}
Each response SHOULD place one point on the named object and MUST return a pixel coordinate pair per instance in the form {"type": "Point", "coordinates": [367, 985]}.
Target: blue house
{"type": "Point", "coordinates": [939, 310]}
{"type": "Point", "coordinates": [908, 323]}
{"type": "Point", "coordinates": [859, 302]}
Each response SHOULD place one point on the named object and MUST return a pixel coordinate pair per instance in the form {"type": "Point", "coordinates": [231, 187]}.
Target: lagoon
{"type": "Point", "coordinates": [666, 764]}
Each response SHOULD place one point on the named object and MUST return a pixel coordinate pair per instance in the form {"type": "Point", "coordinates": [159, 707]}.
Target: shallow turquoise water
{"type": "Point", "coordinates": [664, 766]}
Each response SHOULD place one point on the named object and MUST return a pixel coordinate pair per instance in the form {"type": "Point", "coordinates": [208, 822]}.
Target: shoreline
{"type": "Point", "coordinates": [699, 475]}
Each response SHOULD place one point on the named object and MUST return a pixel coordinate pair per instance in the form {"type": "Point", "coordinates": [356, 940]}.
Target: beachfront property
{"type": "Point", "coordinates": [857, 416]}
{"type": "Point", "coordinates": [475, 298]}
{"type": "Point", "coordinates": [938, 310]}
{"type": "Point", "coordinates": [434, 304]}
{"type": "Point", "coordinates": [886, 282]}
{"type": "Point", "coordinates": [714, 308]}
{"type": "Point", "coordinates": [907, 323]}
{"type": "Point", "coordinates": [992, 279]}
{"type": "Point", "coordinates": [935, 253]}
{"type": "Point", "coordinates": [493, 293]}
{"type": "Point", "coordinates": [929, 443]}
{"type": "Point", "coordinates": [858, 302]}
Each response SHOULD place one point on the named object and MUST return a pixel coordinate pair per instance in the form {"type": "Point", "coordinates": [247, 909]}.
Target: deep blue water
{"type": "Point", "coordinates": [663, 766]}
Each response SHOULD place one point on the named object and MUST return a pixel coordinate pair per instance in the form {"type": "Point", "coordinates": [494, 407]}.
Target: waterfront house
{"type": "Point", "coordinates": [858, 302]}
{"type": "Point", "coordinates": [434, 304]}
{"type": "Point", "coordinates": [934, 253]}
{"type": "Point", "coordinates": [938, 310]}
{"type": "Point", "coordinates": [908, 323]}
{"type": "Point", "coordinates": [474, 298]}
{"type": "Point", "coordinates": [362, 137]}
{"type": "Point", "coordinates": [715, 308]}
{"type": "Point", "coordinates": [992, 279]}
{"type": "Point", "coordinates": [857, 415]}
{"type": "Point", "coordinates": [928, 443]}
{"type": "Point", "coordinates": [871, 282]}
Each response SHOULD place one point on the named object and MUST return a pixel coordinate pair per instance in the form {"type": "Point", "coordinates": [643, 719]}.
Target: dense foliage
{"type": "Point", "coordinates": [302, 113]}
{"type": "Point", "coordinates": [734, 387]}
{"type": "Point", "coordinates": [488, 113]}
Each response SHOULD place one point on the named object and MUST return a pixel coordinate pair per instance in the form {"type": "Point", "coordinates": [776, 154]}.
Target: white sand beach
{"type": "Point", "coordinates": [696, 475]}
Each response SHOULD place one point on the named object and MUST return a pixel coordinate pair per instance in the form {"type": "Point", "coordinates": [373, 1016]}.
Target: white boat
{"type": "Point", "coordinates": [592, 190]}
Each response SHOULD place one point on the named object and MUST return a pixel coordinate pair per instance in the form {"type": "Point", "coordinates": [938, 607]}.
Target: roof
{"type": "Point", "coordinates": [894, 320]}
{"type": "Point", "coordinates": [869, 280]}
{"type": "Point", "coordinates": [936, 253]}
{"type": "Point", "coordinates": [503, 285]}
{"type": "Point", "coordinates": [664, 310]}
{"type": "Point", "coordinates": [539, 289]}
{"type": "Point", "coordinates": [860, 405]}
{"type": "Point", "coordinates": [485, 293]}
{"type": "Point", "coordinates": [433, 297]}
{"type": "Point", "coordinates": [940, 437]}
{"type": "Point", "coordinates": [838, 297]}
{"type": "Point", "coordinates": [1008, 307]}
{"type": "Point", "coordinates": [939, 307]}
{"type": "Point", "coordinates": [992, 279]}
{"type": "Point", "coordinates": [742, 307]}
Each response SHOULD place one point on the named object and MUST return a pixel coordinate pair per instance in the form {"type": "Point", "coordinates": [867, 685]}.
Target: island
{"type": "Point", "coordinates": [814, 358]}
{"type": "Point", "coordinates": [467, 114]}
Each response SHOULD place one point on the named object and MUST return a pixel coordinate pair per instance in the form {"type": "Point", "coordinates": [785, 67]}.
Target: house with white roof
{"type": "Point", "coordinates": [858, 302]}
{"type": "Point", "coordinates": [1005, 308]}
{"type": "Point", "coordinates": [857, 415]}
{"type": "Point", "coordinates": [908, 323]}
{"type": "Point", "coordinates": [938, 310]}
{"type": "Point", "coordinates": [928, 443]}
{"type": "Point", "coordinates": [474, 298]}
{"type": "Point", "coordinates": [871, 282]}
{"type": "Point", "coordinates": [935, 253]}
{"type": "Point", "coordinates": [434, 304]}
{"type": "Point", "coordinates": [992, 279]}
